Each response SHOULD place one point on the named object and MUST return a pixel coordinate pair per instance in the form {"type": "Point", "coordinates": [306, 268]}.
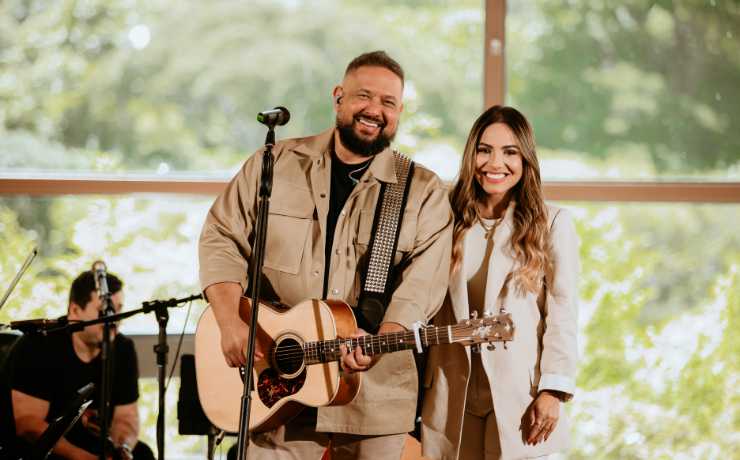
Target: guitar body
{"type": "Point", "coordinates": [283, 386]}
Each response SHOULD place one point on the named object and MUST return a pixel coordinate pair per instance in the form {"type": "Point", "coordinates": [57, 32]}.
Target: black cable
{"type": "Point", "coordinates": [179, 345]}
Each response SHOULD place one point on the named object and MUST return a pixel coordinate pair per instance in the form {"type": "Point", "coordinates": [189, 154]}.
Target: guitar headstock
{"type": "Point", "coordinates": [490, 328]}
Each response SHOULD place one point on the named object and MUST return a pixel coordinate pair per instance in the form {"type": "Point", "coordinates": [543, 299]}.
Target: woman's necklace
{"type": "Point", "coordinates": [490, 228]}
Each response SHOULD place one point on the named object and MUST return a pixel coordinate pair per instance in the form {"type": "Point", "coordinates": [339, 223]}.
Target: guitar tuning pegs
{"type": "Point", "coordinates": [474, 315]}
{"type": "Point", "coordinates": [505, 347]}
{"type": "Point", "coordinates": [491, 347]}
{"type": "Point", "coordinates": [488, 314]}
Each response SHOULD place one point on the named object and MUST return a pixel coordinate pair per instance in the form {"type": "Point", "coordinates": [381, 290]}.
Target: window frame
{"type": "Point", "coordinates": [494, 91]}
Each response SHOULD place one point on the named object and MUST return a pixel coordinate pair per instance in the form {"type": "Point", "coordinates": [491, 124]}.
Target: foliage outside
{"type": "Point", "coordinates": [162, 87]}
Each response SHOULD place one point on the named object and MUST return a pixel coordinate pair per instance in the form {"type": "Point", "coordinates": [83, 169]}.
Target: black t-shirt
{"type": "Point", "coordinates": [48, 368]}
{"type": "Point", "coordinates": [344, 177]}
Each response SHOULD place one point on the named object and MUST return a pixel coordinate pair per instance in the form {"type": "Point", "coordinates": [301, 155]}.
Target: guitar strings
{"type": "Point", "coordinates": [373, 341]}
{"type": "Point", "coordinates": [297, 353]}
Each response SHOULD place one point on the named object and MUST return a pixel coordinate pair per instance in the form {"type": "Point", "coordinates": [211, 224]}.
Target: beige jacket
{"type": "Point", "coordinates": [542, 355]}
{"type": "Point", "coordinates": [294, 259]}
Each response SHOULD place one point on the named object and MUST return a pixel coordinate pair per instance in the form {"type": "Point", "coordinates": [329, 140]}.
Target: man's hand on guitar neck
{"type": "Point", "coordinates": [356, 360]}
{"type": "Point", "coordinates": [224, 300]}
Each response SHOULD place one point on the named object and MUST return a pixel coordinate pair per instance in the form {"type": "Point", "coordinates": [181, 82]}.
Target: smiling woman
{"type": "Point", "coordinates": [525, 263]}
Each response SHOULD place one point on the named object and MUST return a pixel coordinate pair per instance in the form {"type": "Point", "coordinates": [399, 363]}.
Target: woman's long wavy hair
{"type": "Point", "coordinates": [530, 241]}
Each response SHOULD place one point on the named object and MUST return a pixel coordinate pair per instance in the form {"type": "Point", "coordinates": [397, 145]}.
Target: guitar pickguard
{"type": "Point", "coordinates": [271, 388]}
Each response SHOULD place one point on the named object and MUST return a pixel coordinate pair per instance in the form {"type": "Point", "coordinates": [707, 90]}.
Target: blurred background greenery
{"type": "Point", "coordinates": [643, 90]}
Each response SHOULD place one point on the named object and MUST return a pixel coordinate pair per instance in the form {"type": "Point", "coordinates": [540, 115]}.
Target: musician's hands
{"type": "Point", "coordinates": [85, 455]}
{"type": "Point", "coordinates": [124, 452]}
{"type": "Point", "coordinates": [234, 339]}
{"type": "Point", "coordinates": [541, 417]}
{"type": "Point", "coordinates": [224, 299]}
{"type": "Point", "coordinates": [356, 360]}
{"type": "Point", "coordinates": [89, 420]}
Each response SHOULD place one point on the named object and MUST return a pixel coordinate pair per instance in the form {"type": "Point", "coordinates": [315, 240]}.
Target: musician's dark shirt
{"type": "Point", "coordinates": [48, 368]}
{"type": "Point", "coordinates": [344, 177]}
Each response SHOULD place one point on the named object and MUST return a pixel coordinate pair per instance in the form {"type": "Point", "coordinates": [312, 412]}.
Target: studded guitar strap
{"type": "Point", "coordinates": [383, 244]}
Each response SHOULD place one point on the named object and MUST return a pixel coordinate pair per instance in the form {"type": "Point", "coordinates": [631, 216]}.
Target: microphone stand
{"type": "Point", "coordinates": [161, 349]}
{"type": "Point", "coordinates": [21, 271]}
{"type": "Point", "coordinates": [257, 262]}
{"type": "Point", "coordinates": [107, 359]}
{"type": "Point", "coordinates": [159, 307]}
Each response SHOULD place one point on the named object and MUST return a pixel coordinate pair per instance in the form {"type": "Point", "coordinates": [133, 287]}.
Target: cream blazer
{"type": "Point", "coordinates": [542, 355]}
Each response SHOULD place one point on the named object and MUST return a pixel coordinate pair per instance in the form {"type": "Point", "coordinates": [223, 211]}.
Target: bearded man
{"type": "Point", "coordinates": [324, 197]}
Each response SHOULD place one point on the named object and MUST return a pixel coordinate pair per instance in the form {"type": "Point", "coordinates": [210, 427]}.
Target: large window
{"type": "Point", "coordinates": [103, 96]}
{"type": "Point", "coordinates": [161, 87]}
{"type": "Point", "coordinates": [628, 90]}
{"type": "Point", "coordinates": [101, 100]}
{"type": "Point", "coordinates": [659, 303]}
{"type": "Point", "coordinates": [148, 241]}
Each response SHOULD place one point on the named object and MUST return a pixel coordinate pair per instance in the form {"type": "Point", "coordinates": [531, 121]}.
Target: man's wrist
{"type": "Point", "coordinates": [391, 326]}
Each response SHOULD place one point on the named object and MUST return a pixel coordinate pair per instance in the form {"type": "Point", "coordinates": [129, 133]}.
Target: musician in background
{"type": "Point", "coordinates": [48, 371]}
{"type": "Point", "coordinates": [321, 215]}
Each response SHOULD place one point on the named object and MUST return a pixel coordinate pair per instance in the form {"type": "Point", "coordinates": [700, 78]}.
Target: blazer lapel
{"type": "Point", "coordinates": [501, 262]}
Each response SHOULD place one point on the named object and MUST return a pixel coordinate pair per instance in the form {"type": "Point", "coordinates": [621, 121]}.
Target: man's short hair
{"type": "Point", "coordinates": [84, 285]}
{"type": "Point", "coordinates": [376, 59]}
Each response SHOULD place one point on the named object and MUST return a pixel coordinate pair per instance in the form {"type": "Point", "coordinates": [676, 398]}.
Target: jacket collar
{"type": "Point", "coordinates": [382, 167]}
{"type": "Point", "coordinates": [500, 264]}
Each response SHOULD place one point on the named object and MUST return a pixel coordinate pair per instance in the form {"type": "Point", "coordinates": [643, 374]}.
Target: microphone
{"type": "Point", "coordinates": [277, 116]}
{"type": "Point", "coordinates": [101, 278]}
{"type": "Point", "coordinates": [35, 326]}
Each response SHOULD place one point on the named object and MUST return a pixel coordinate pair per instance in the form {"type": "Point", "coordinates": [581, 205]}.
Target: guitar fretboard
{"type": "Point", "coordinates": [329, 350]}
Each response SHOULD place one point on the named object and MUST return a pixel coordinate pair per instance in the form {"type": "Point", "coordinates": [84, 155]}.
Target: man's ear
{"type": "Point", "coordinates": [74, 311]}
{"type": "Point", "coordinates": [337, 94]}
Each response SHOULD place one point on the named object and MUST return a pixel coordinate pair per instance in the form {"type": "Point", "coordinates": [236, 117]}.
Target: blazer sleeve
{"type": "Point", "coordinates": [424, 274]}
{"type": "Point", "coordinates": [224, 247]}
{"type": "Point", "coordinates": [559, 341]}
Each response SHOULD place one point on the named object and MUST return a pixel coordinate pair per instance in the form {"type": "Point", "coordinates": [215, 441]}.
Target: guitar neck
{"type": "Point", "coordinates": [328, 350]}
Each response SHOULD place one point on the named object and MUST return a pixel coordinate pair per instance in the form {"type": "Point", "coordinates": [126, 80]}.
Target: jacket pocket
{"type": "Point", "coordinates": [289, 225]}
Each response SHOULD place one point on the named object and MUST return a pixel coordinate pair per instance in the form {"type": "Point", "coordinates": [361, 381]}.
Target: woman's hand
{"type": "Point", "coordinates": [542, 417]}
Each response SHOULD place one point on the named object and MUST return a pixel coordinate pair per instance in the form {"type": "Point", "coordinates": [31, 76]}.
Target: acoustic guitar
{"type": "Point", "coordinates": [301, 365]}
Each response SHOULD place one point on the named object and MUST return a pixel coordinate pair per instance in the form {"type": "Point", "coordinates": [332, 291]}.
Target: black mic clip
{"type": "Point", "coordinates": [275, 117]}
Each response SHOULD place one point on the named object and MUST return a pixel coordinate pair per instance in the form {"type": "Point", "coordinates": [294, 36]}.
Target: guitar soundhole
{"type": "Point", "coordinates": [271, 388]}
{"type": "Point", "coordinates": [288, 356]}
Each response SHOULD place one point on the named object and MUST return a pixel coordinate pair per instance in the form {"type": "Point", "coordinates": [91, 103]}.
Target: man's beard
{"type": "Point", "coordinates": [359, 146]}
